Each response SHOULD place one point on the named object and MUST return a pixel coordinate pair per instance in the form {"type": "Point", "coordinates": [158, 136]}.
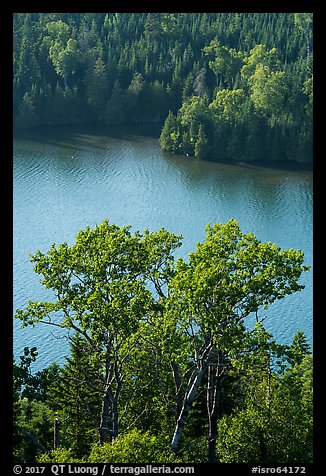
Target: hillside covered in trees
{"type": "Point", "coordinates": [222, 85]}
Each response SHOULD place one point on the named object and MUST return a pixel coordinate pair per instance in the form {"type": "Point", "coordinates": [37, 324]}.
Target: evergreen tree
{"type": "Point", "coordinates": [76, 403]}
{"type": "Point", "coordinates": [201, 145]}
{"type": "Point", "coordinates": [299, 348]}
{"type": "Point", "coordinates": [275, 424]}
{"type": "Point", "coordinates": [27, 115]}
{"type": "Point", "coordinates": [114, 111]}
{"type": "Point", "coordinates": [167, 137]}
{"type": "Point", "coordinates": [97, 89]}
{"type": "Point", "coordinates": [266, 55]}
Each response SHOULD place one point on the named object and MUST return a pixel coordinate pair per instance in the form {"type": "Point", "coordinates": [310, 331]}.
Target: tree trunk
{"type": "Point", "coordinates": [213, 410]}
{"type": "Point", "coordinates": [115, 418]}
{"type": "Point", "coordinates": [178, 394]}
{"type": "Point", "coordinates": [104, 427]}
{"type": "Point", "coordinates": [194, 383]}
{"type": "Point", "coordinates": [190, 394]}
{"type": "Point", "coordinates": [56, 428]}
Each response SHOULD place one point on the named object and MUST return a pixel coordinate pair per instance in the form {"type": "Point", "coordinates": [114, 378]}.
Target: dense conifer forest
{"type": "Point", "coordinates": [222, 85]}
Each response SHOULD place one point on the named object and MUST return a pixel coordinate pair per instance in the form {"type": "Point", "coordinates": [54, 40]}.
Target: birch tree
{"type": "Point", "coordinates": [229, 277]}
{"type": "Point", "coordinates": [100, 291]}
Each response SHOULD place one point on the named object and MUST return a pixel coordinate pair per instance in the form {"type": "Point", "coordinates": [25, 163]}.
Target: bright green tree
{"type": "Point", "coordinates": [275, 424]}
{"type": "Point", "coordinates": [100, 287]}
{"type": "Point", "coordinates": [260, 56]}
{"type": "Point", "coordinates": [226, 64]}
{"type": "Point", "coordinates": [229, 277]}
{"type": "Point", "coordinates": [193, 109]}
{"type": "Point", "coordinates": [228, 105]}
{"type": "Point", "coordinates": [268, 91]}
{"type": "Point", "coordinates": [65, 59]}
{"type": "Point", "coordinates": [168, 137]}
{"type": "Point", "coordinates": [133, 447]}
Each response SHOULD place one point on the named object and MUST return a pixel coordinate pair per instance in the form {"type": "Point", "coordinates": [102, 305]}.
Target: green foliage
{"type": "Point", "coordinates": [33, 422]}
{"type": "Point", "coordinates": [61, 455]}
{"type": "Point", "coordinates": [252, 121]}
{"type": "Point", "coordinates": [193, 110]}
{"type": "Point", "coordinates": [228, 105]}
{"type": "Point", "coordinates": [101, 288]}
{"type": "Point", "coordinates": [227, 62]}
{"type": "Point", "coordinates": [259, 57]}
{"type": "Point", "coordinates": [27, 115]}
{"type": "Point", "coordinates": [133, 447]}
{"type": "Point", "coordinates": [299, 348]}
{"type": "Point", "coordinates": [76, 404]}
{"type": "Point", "coordinates": [144, 447]}
{"type": "Point", "coordinates": [201, 145]}
{"type": "Point", "coordinates": [32, 415]}
{"type": "Point", "coordinates": [65, 59]}
{"type": "Point", "coordinates": [268, 91]}
{"type": "Point", "coordinates": [275, 426]}
{"type": "Point", "coordinates": [97, 90]}
{"type": "Point", "coordinates": [168, 135]}
{"type": "Point", "coordinates": [146, 332]}
{"type": "Point", "coordinates": [245, 68]}
{"type": "Point", "coordinates": [114, 112]}
{"type": "Point", "coordinates": [232, 275]}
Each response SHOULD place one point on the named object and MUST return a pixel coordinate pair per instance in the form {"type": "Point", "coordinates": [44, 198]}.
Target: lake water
{"type": "Point", "coordinates": [68, 178]}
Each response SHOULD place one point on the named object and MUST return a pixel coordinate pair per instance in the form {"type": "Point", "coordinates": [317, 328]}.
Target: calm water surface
{"type": "Point", "coordinates": [68, 178]}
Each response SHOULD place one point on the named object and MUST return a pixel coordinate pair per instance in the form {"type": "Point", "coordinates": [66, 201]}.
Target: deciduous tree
{"type": "Point", "coordinates": [229, 277]}
{"type": "Point", "coordinates": [100, 293]}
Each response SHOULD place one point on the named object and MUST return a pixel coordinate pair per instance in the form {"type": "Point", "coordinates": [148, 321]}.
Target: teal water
{"type": "Point", "coordinates": [68, 178]}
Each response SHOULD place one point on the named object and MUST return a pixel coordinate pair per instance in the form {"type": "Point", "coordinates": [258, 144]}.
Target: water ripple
{"type": "Point", "coordinates": [61, 186]}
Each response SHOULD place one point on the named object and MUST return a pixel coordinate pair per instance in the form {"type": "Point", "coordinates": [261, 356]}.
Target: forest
{"type": "Point", "coordinates": [223, 86]}
{"type": "Point", "coordinates": [169, 358]}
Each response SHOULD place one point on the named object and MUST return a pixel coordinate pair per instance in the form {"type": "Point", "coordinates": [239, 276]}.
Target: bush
{"type": "Point", "coordinates": [133, 447]}
{"type": "Point", "coordinates": [61, 455]}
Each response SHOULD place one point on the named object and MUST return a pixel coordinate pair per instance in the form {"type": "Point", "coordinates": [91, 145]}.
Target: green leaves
{"type": "Point", "coordinates": [227, 62]}
{"type": "Point", "coordinates": [66, 68]}
{"type": "Point", "coordinates": [148, 324]}
{"type": "Point", "coordinates": [268, 91]}
{"type": "Point", "coordinates": [227, 106]}
{"type": "Point", "coordinates": [35, 312]}
{"type": "Point", "coordinates": [275, 422]}
{"type": "Point", "coordinates": [101, 281]}
{"type": "Point", "coordinates": [230, 276]}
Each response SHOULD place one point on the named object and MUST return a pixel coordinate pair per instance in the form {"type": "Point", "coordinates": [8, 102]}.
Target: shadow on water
{"type": "Point", "coordinates": [130, 180]}
{"type": "Point", "coordinates": [83, 136]}
{"type": "Point", "coordinates": [262, 164]}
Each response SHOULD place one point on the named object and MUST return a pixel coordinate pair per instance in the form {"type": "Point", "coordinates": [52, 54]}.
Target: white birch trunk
{"type": "Point", "coordinates": [193, 385]}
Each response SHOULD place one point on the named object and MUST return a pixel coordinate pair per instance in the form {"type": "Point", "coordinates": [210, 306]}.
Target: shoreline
{"type": "Point", "coordinates": [146, 129]}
